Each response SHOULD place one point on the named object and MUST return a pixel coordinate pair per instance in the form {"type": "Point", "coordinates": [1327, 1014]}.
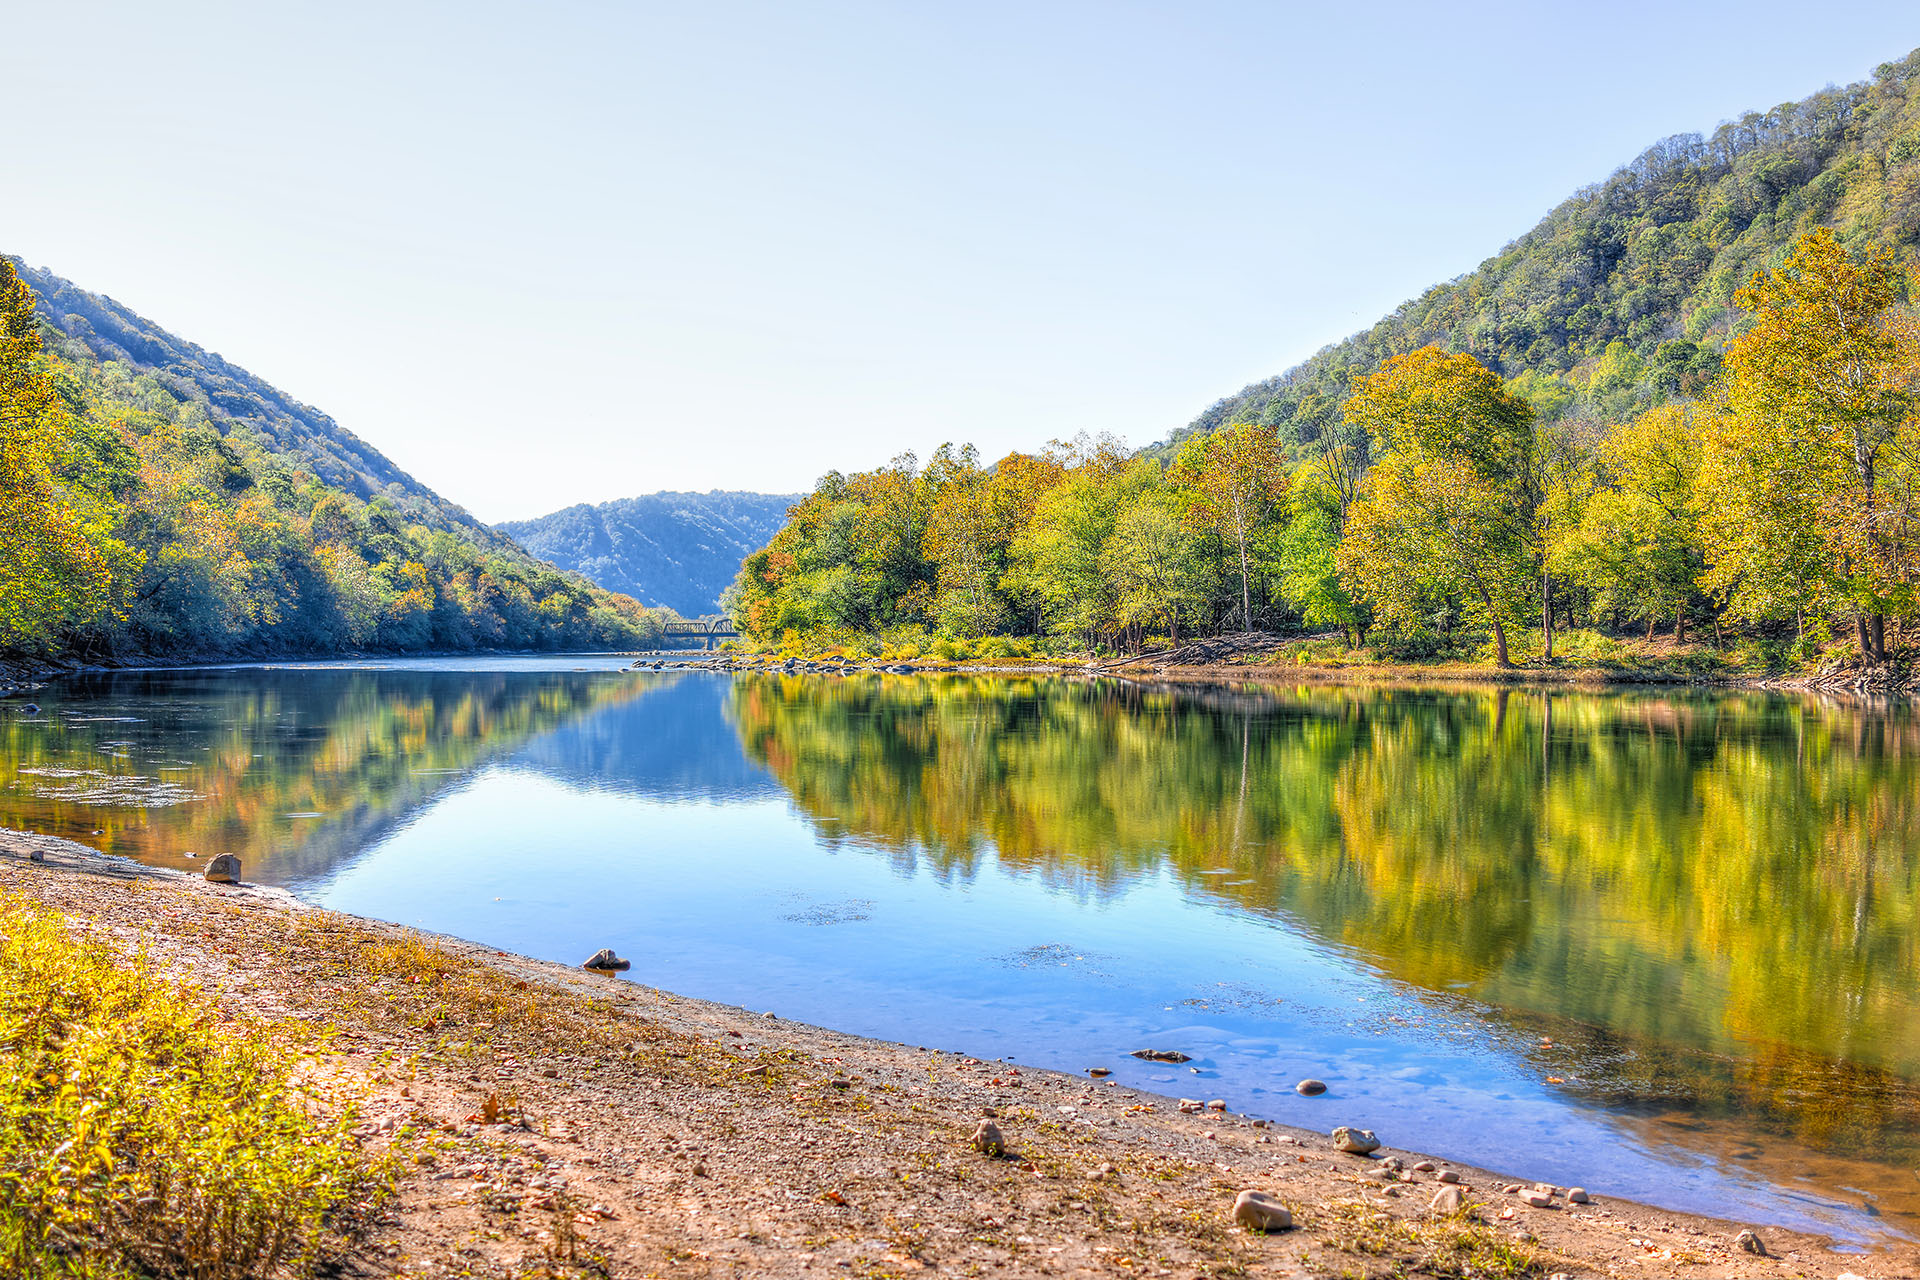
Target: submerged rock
{"type": "Point", "coordinates": [1359, 1142]}
{"type": "Point", "coordinates": [604, 961]}
{"type": "Point", "coordinates": [1259, 1211]}
{"type": "Point", "coordinates": [224, 869]}
{"type": "Point", "coordinates": [1162, 1055]}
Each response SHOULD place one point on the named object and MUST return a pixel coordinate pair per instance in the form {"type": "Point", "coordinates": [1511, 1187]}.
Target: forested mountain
{"type": "Point", "coordinates": [156, 500]}
{"type": "Point", "coordinates": [230, 398]}
{"type": "Point", "coordinates": [1622, 297]}
{"type": "Point", "coordinates": [1690, 396]}
{"type": "Point", "coordinates": [680, 550]}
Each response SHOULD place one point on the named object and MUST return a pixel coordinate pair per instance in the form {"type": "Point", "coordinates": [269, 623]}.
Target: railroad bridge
{"type": "Point", "coordinates": [709, 631]}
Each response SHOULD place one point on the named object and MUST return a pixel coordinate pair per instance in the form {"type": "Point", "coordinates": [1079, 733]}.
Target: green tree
{"type": "Point", "coordinates": [1450, 504]}
{"type": "Point", "coordinates": [1235, 479]}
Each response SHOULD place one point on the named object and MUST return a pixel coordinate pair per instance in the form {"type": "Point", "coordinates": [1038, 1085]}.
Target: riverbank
{"type": "Point", "coordinates": [548, 1118]}
{"type": "Point", "coordinates": [1588, 661]}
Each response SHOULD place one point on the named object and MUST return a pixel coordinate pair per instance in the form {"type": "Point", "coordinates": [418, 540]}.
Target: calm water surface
{"type": "Point", "coordinates": [1660, 945]}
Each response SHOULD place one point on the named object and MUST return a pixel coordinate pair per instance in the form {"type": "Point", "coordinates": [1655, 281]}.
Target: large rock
{"type": "Point", "coordinates": [1358, 1142]}
{"type": "Point", "coordinates": [1259, 1211]}
{"type": "Point", "coordinates": [1448, 1199]}
{"type": "Point", "coordinates": [224, 869]}
{"type": "Point", "coordinates": [604, 961]}
{"type": "Point", "coordinates": [987, 1139]}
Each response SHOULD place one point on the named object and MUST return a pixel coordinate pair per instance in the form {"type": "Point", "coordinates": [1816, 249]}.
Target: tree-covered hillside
{"type": "Point", "coordinates": [1622, 297]}
{"type": "Point", "coordinates": [679, 550]}
{"type": "Point", "coordinates": [157, 501]}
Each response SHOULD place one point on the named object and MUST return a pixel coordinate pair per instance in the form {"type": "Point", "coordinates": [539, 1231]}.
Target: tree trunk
{"type": "Point", "coordinates": [1879, 630]}
{"type": "Point", "coordinates": [1500, 643]}
{"type": "Point", "coordinates": [1546, 610]}
{"type": "Point", "coordinates": [1653, 620]}
{"type": "Point", "coordinates": [1680, 625]}
{"type": "Point", "coordinates": [1863, 636]}
{"type": "Point", "coordinates": [1246, 592]}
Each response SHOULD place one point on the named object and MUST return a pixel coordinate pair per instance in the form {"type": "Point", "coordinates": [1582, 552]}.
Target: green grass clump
{"type": "Point", "coordinates": [139, 1139]}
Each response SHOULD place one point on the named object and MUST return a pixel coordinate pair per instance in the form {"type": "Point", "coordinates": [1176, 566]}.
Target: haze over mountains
{"type": "Point", "coordinates": [677, 550]}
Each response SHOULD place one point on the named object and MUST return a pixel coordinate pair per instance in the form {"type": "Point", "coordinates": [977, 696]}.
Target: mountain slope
{"type": "Point", "coordinates": [157, 501]}
{"type": "Point", "coordinates": [231, 396]}
{"type": "Point", "coordinates": [1621, 296]}
{"type": "Point", "coordinates": [680, 550]}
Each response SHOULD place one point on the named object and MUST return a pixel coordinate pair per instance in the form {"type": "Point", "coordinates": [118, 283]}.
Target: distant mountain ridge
{"type": "Point", "coordinates": [680, 550]}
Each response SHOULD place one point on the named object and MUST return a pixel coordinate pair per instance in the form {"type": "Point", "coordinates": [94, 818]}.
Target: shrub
{"type": "Point", "coordinates": [135, 1138]}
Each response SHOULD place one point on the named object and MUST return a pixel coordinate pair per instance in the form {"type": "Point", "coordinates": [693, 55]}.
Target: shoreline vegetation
{"type": "Point", "coordinates": [1440, 513]}
{"type": "Point", "coordinates": [491, 1115]}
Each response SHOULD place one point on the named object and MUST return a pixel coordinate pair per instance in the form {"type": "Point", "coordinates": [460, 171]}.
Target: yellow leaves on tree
{"type": "Point", "coordinates": [1812, 463]}
{"type": "Point", "coordinates": [56, 566]}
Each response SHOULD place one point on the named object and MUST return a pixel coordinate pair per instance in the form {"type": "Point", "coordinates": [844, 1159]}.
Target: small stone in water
{"type": "Point", "coordinates": [1259, 1211]}
{"type": "Point", "coordinates": [1310, 1088]}
{"type": "Point", "coordinates": [1098, 1072]}
{"type": "Point", "coordinates": [604, 961]}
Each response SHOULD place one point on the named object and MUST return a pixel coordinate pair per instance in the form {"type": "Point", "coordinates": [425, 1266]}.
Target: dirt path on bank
{"type": "Point", "coordinates": [553, 1122]}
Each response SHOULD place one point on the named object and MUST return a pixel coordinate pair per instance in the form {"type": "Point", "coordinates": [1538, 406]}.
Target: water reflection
{"type": "Point", "coordinates": [1699, 907]}
{"type": "Point", "coordinates": [1662, 944]}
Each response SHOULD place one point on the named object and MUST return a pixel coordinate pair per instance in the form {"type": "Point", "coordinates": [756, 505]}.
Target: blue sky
{"type": "Point", "coordinates": [549, 253]}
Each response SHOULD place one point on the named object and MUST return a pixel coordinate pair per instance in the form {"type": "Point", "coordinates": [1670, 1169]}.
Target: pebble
{"type": "Point", "coordinates": [1098, 1072]}
{"type": "Point", "coordinates": [1445, 1175]}
{"type": "Point", "coordinates": [1359, 1142]}
{"type": "Point", "coordinates": [1448, 1200]}
{"type": "Point", "coordinates": [224, 869]}
{"type": "Point", "coordinates": [1106, 1171]}
{"type": "Point", "coordinates": [1578, 1195]}
{"type": "Point", "coordinates": [1189, 1105]}
{"type": "Point", "coordinates": [1425, 1166]}
{"type": "Point", "coordinates": [1217, 1104]}
{"type": "Point", "coordinates": [1310, 1088]}
{"type": "Point", "coordinates": [987, 1139]}
{"type": "Point", "coordinates": [1537, 1198]}
{"type": "Point", "coordinates": [1748, 1242]}
{"type": "Point", "coordinates": [604, 961]}
{"type": "Point", "coordinates": [1259, 1211]}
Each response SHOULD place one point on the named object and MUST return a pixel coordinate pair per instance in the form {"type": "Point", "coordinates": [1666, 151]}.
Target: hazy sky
{"type": "Point", "coordinates": [549, 253]}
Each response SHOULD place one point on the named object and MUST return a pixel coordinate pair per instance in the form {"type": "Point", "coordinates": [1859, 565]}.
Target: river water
{"type": "Point", "coordinates": [1662, 945]}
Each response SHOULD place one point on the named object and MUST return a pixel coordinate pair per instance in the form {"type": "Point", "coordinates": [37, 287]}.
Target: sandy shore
{"type": "Point", "coordinates": [550, 1118]}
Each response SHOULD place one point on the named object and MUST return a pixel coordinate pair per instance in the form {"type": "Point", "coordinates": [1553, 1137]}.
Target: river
{"type": "Point", "coordinates": [1659, 944]}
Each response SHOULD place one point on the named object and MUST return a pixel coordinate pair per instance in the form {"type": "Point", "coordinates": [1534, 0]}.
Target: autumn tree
{"type": "Point", "coordinates": [1448, 505]}
{"type": "Point", "coordinates": [57, 557]}
{"type": "Point", "coordinates": [1636, 546]}
{"type": "Point", "coordinates": [1235, 479]}
{"type": "Point", "coordinates": [1818, 431]}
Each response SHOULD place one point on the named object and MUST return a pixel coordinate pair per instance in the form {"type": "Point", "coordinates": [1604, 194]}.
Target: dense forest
{"type": "Point", "coordinates": [1623, 296]}
{"type": "Point", "coordinates": [675, 550]}
{"type": "Point", "coordinates": [1675, 403]}
{"type": "Point", "coordinates": [156, 501]}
